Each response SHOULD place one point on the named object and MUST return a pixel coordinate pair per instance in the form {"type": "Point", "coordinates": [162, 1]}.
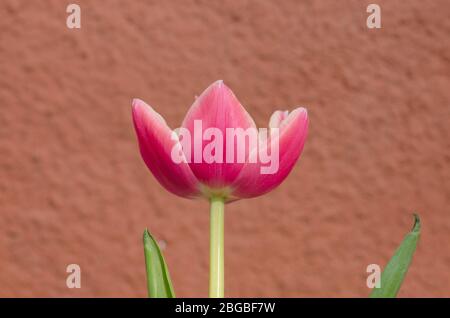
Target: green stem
{"type": "Point", "coordinates": [216, 273]}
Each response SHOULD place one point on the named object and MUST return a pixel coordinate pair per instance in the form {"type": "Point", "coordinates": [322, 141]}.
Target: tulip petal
{"type": "Point", "coordinates": [293, 128]}
{"type": "Point", "coordinates": [277, 117]}
{"type": "Point", "coordinates": [156, 145]}
{"type": "Point", "coordinates": [217, 107]}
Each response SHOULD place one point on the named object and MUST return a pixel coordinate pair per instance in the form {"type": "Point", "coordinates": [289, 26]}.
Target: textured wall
{"type": "Point", "coordinates": [73, 188]}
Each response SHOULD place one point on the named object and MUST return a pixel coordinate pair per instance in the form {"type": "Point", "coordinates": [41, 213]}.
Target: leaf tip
{"type": "Point", "coordinates": [416, 226]}
{"type": "Point", "coordinates": [147, 237]}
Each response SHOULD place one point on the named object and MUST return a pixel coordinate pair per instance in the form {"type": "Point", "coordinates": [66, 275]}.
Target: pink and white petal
{"type": "Point", "coordinates": [277, 117]}
{"type": "Point", "coordinates": [156, 144]}
{"type": "Point", "coordinates": [293, 130]}
{"type": "Point", "coordinates": [217, 107]}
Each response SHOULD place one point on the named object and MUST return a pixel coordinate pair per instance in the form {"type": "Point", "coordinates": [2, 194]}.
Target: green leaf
{"type": "Point", "coordinates": [158, 278]}
{"type": "Point", "coordinates": [395, 271]}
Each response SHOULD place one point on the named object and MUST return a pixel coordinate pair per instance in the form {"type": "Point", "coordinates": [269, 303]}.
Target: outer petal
{"type": "Point", "coordinates": [277, 117]}
{"type": "Point", "coordinates": [156, 144]}
{"type": "Point", "coordinates": [217, 107]}
{"type": "Point", "coordinates": [293, 129]}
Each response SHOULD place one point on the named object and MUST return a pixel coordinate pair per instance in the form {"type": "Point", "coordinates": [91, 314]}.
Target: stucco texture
{"type": "Point", "coordinates": [74, 189]}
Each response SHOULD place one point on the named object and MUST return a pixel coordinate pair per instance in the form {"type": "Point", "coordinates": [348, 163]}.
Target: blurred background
{"type": "Point", "coordinates": [74, 189]}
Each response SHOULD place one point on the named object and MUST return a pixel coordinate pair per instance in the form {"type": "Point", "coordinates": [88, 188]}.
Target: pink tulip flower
{"type": "Point", "coordinates": [223, 167]}
{"type": "Point", "coordinates": [217, 107]}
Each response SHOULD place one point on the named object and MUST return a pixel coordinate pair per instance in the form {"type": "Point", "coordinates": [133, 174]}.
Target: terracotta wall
{"type": "Point", "coordinates": [73, 187]}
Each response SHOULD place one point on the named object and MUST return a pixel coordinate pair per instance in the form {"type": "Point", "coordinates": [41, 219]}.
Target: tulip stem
{"type": "Point", "coordinates": [216, 273]}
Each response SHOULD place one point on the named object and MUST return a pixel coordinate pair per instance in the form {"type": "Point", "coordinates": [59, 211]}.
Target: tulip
{"type": "Point", "coordinates": [222, 180]}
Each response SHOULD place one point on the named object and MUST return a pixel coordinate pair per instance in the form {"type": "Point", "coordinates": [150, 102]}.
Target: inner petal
{"type": "Point", "coordinates": [213, 121]}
